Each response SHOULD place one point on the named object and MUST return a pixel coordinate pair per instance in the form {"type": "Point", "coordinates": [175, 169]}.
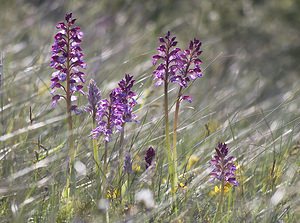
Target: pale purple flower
{"type": "Point", "coordinates": [104, 119]}
{"type": "Point", "coordinates": [67, 59]}
{"type": "Point", "coordinates": [114, 112]}
{"type": "Point", "coordinates": [223, 166]}
{"type": "Point", "coordinates": [128, 164]}
{"type": "Point", "coordinates": [94, 97]}
{"type": "Point", "coordinates": [126, 97]}
{"type": "Point", "coordinates": [188, 64]}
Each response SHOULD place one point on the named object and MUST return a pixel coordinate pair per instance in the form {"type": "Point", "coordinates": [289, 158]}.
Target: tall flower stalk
{"type": "Point", "coordinates": [94, 97]}
{"type": "Point", "coordinates": [188, 69]}
{"type": "Point", "coordinates": [67, 59]}
{"type": "Point", "coordinates": [112, 114]}
{"type": "Point", "coordinates": [127, 168]}
{"type": "Point", "coordinates": [179, 67]}
{"type": "Point", "coordinates": [223, 170]}
{"type": "Point", "coordinates": [128, 101]}
{"type": "Point", "coordinates": [162, 74]}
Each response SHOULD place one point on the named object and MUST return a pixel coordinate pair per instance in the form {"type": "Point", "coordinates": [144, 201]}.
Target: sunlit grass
{"type": "Point", "coordinates": [248, 98]}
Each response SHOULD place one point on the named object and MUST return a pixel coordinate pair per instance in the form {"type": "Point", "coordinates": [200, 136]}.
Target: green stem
{"type": "Point", "coordinates": [222, 193]}
{"type": "Point", "coordinates": [107, 216]}
{"type": "Point", "coordinates": [121, 159]}
{"type": "Point", "coordinates": [175, 126]}
{"type": "Point", "coordinates": [171, 169]}
{"type": "Point", "coordinates": [167, 133]}
{"type": "Point", "coordinates": [104, 180]}
{"type": "Point", "coordinates": [221, 198]}
{"type": "Point", "coordinates": [96, 157]}
{"type": "Point", "coordinates": [128, 186]}
{"type": "Point", "coordinates": [105, 169]}
{"type": "Point", "coordinates": [70, 186]}
{"type": "Point", "coordinates": [105, 164]}
{"type": "Point", "coordinates": [219, 209]}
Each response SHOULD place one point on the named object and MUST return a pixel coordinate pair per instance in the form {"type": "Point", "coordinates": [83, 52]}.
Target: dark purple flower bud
{"type": "Point", "coordinates": [223, 166]}
{"type": "Point", "coordinates": [94, 97]}
{"type": "Point", "coordinates": [155, 58]}
{"type": "Point", "coordinates": [168, 35]}
{"type": "Point", "coordinates": [150, 155]}
{"type": "Point", "coordinates": [55, 99]}
{"type": "Point", "coordinates": [187, 98]}
{"type": "Point", "coordinates": [128, 164]}
{"type": "Point", "coordinates": [67, 58]}
{"type": "Point", "coordinates": [162, 40]}
{"type": "Point", "coordinates": [76, 110]}
{"type": "Point", "coordinates": [68, 16]}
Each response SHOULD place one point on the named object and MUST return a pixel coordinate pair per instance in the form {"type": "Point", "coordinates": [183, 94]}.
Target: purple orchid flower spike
{"type": "Point", "coordinates": [128, 164]}
{"type": "Point", "coordinates": [223, 166]}
{"type": "Point", "coordinates": [114, 112]}
{"type": "Point", "coordinates": [68, 79]}
{"type": "Point", "coordinates": [126, 97]}
{"type": "Point", "coordinates": [188, 64]}
{"type": "Point", "coordinates": [94, 97]}
{"type": "Point", "coordinates": [181, 66]}
{"type": "Point", "coordinates": [168, 55]}
{"type": "Point", "coordinates": [67, 60]}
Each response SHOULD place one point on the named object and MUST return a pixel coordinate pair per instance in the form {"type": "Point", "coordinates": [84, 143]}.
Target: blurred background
{"type": "Point", "coordinates": [250, 87]}
{"type": "Point", "coordinates": [242, 40]}
{"type": "Point", "coordinates": [251, 51]}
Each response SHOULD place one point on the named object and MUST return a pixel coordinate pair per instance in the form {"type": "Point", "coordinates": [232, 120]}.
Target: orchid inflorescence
{"type": "Point", "coordinates": [67, 59]}
{"type": "Point", "coordinates": [180, 67]}
{"type": "Point", "coordinates": [177, 65]}
{"type": "Point", "coordinates": [94, 97]}
{"type": "Point", "coordinates": [173, 65]}
{"type": "Point", "coordinates": [223, 165]}
{"type": "Point", "coordinates": [168, 54]}
{"type": "Point", "coordinates": [128, 163]}
{"type": "Point", "coordinates": [114, 112]}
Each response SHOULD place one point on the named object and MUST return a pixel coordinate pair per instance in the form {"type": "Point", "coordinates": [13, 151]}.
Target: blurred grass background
{"type": "Point", "coordinates": [248, 97]}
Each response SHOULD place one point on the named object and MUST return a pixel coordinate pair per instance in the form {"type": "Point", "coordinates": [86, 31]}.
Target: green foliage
{"type": "Point", "coordinates": [248, 97]}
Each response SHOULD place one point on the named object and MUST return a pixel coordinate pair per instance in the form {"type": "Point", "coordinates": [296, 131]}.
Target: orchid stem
{"type": "Point", "coordinates": [70, 185]}
{"type": "Point", "coordinates": [96, 158]}
{"type": "Point", "coordinates": [175, 126]}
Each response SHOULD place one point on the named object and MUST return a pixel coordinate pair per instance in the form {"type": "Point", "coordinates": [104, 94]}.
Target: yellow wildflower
{"type": "Point", "coordinates": [136, 167]}
{"type": "Point", "coordinates": [112, 194]}
{"type": "Point", "coordinates": [217, 189]}
{"type": "Point", "coordinates": [182, 186]}
{"type": "Point", "coordinates": [192, 161]}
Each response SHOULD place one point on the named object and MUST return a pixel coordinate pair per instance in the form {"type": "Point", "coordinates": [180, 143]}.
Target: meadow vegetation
{"type": "Point", "coordinates": [205, 133]}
